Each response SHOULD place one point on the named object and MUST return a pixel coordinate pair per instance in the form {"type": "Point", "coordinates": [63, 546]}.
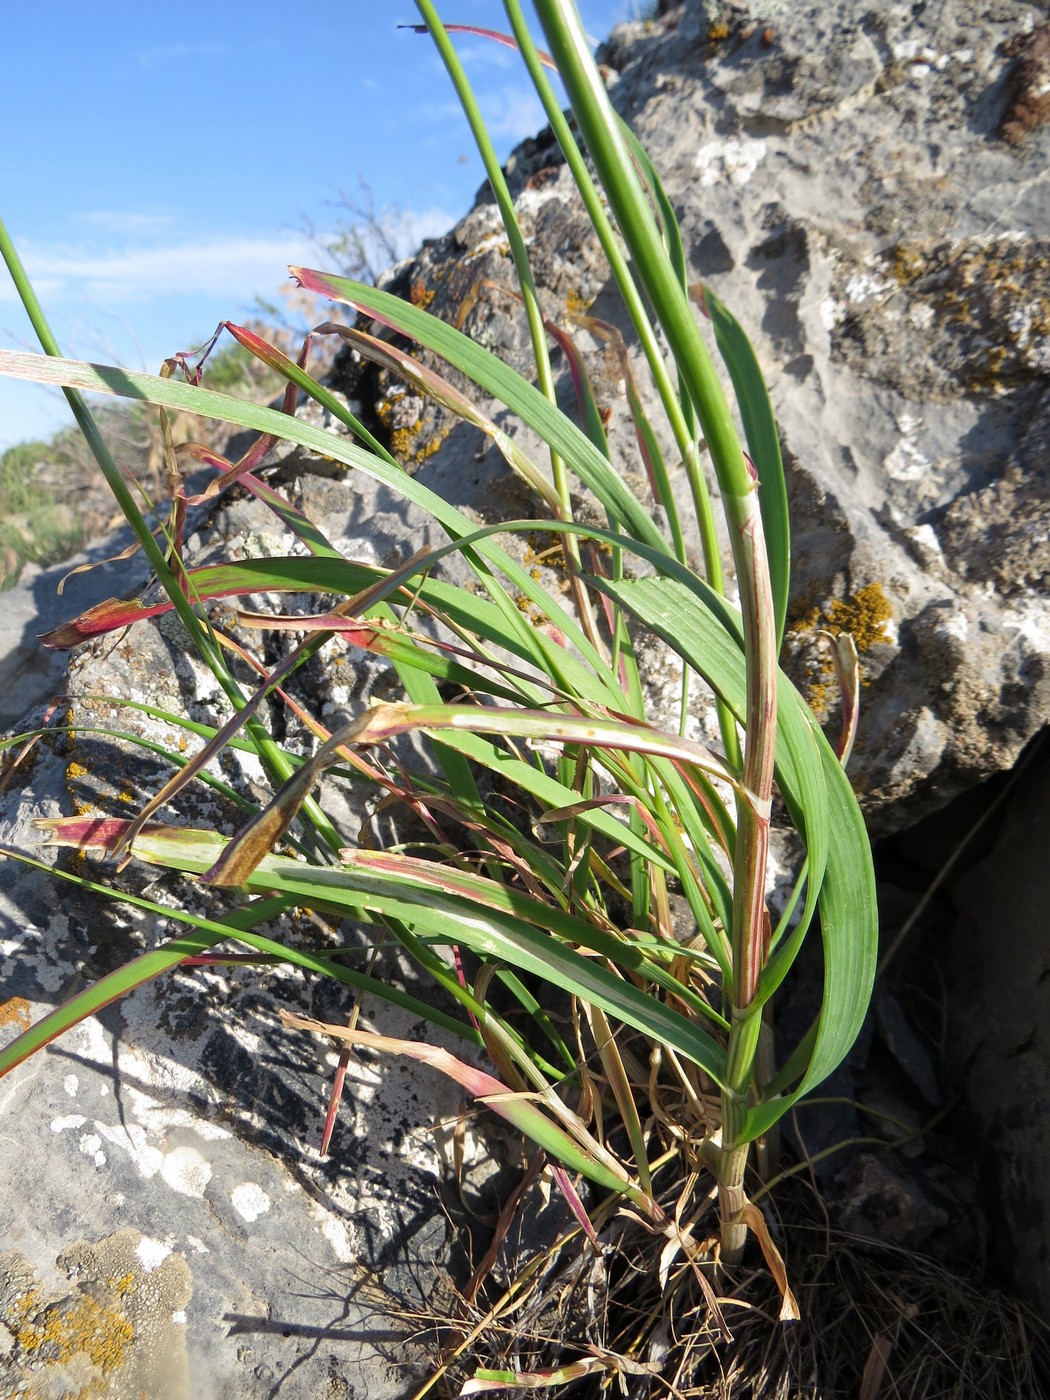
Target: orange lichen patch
{"type": "Point", "coordinates": [906, 264]}
{"type": "Point", "coordinates": [76, 770]}
{"type": "Point", "coordinates": [122, 1285]}
{"type": "Point", "coordinates": [82, 1327]}
{"type": "Point", "coordinates": [536, 616]}
{"type": "Point", "coordinates": [403, 444]}
{"type": "Point", "coordinates": [15, 1012]}
{"type": "Point", "coordinates": [987, 299]}
{"type": "Point", "coordinates": [420, 294]}
{"type": "Point", "coordinates": [717, 33]}
{"type": "Point", "coordinates": [543, 547]}
{"type": "Point", "coordinates": [414, 435]}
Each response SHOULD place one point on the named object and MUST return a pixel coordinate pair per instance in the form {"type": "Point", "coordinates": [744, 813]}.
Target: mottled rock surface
{"type": "Point", "coordinates": [185, 1111]}
{"type": "Point", "coordinates": [29, 671]}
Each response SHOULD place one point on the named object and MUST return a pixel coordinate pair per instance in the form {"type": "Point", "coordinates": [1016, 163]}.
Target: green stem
{"type": "Point", "coordinates": [738, 484]}
{"type": "Point", "coordinates": [527, 285]}
{"type": "Point", "coordinates": [681, 424]}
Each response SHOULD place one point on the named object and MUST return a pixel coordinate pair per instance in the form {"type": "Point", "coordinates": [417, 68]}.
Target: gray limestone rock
{"type": "Point", "coordinates": [185, 1112]}
{"type": "Point", "coordinates": [30, 672]}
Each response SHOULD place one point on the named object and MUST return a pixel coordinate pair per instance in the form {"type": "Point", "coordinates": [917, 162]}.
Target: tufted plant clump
{"type": "Point", "coordinates": [554, 824]}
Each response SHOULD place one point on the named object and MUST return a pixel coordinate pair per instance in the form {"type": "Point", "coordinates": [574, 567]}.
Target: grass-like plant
{"type": "Point", "coordinates": [548, 708]}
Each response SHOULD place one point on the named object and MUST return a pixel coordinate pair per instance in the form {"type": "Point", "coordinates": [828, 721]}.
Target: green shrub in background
{"type": "Point", "coordinates": [34, 526]}
{"type": "Point", "coordinates": [622, 814]}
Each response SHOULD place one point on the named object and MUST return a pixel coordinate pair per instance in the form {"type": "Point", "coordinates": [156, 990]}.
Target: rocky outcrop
{"type": "Point", "coordinates": [844, 183]}
{"type": "Point", "coordinates": [868, 193]}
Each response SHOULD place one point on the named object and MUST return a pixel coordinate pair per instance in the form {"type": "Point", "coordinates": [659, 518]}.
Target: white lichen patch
{"type": "Point", "coordinates": [486, 245]}
{"type": "Point", "coordinates": [956, 625]}
{"type": "Point", "coordinates": [71, 1120]}
{"type": "Point", "coordinates": [264, 544]}
{"type": "Point", "coordinates": [925, 536]}
{"type": "Point", "coordinates": [531, 200]}
{"type": "Point", "coordinates": [133, 1140]}
{"type": "Point", "coordinates": [157, 1117]}
{"type": "Point", "coordinates": [186, 1171]}
{"type": "Point", "coordinates": [250, 1201]}
{"type": "Point", "coordinates": [1022, 321]}
{"type": "Point", "coordinates": [91, 1146]}
{"type": "Point", "coordinates": [71, 1084]}
{"type": "Point", "coordinates": [918, 55]}
{"type": "Point", "coordinates": [335, 1232]}
{"type": "Point", "coordinates": [864, 286]}
{"type": "Point", "coordinates": [906, 463]}
{"type": "Point", "coordinates": [908, 423]}
{"type": "Point", "coordinates": [732, 161]}
{"type": "Point", "coordinates": [1031, 622]}
{"type": "Point", "coordinates": [142, 1138]}
{"type": "Point", "coordinates": [832, 313]}
{"type": "Point", "coordinates": [151, 1253]}
{"type": "Point", "coordinates": [50, 976]}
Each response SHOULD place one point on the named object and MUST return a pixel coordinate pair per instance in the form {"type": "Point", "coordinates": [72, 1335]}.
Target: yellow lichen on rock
{"type": "Point", "coordinates": [575, 304]}
{"type": "Point", "coordinates": [79, 1329]}
{"type": "Point", "coordinates": [866, 616]}
{"type": "Point", "coordinates": [16, 1012]}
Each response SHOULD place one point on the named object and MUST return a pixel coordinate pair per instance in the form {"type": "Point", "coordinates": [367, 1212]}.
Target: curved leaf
{"type": "Point", "coordinates": [497, 931]}
{"type": "Point", "coordinates": [823, 807]}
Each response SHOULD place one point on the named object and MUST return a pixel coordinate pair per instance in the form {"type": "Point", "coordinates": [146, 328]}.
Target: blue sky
{"type": "Point", "coordinates": [162, 162]}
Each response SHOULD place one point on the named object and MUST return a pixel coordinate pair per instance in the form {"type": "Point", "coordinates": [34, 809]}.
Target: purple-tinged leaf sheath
{"type": "Point", "coordinates": [104, 617]}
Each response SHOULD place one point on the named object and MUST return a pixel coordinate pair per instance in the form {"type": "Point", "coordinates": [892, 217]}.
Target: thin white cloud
{"type": "Point", "coordinates": [427, 223]}
{"type": "Point", "coordinates": [514, 114]}
{"type": "Point", "coordinates": [238, 264]}
{"type": "Point", "coordinates": [431, 112]}
{"type": "Point", "coordinates": [486, 55]}
{"type": "Point", "coordinates": [126, 221]}
{"type": "Point", "coordinates": [46, 288]}
{"type": "Point", "coordinates": [167, 54]}
{"type": "Point", "coordinates": [511, 113]}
